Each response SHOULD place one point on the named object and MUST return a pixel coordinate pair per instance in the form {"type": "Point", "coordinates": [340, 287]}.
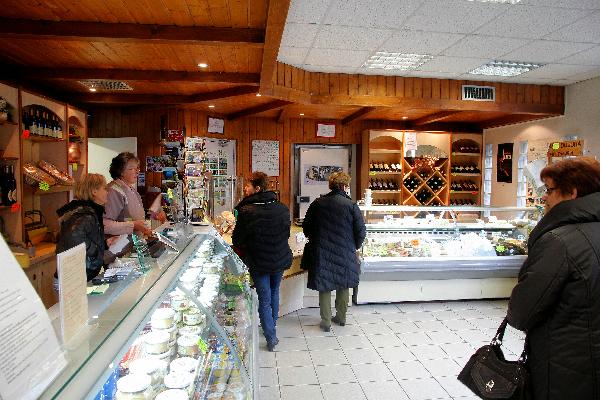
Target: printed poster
{"type": "Point", "coordinates": [319, 174]}
{"type": "Point", "coordinates": [504, 163]}
{"type": "Point", "coordinates": [265, 156]}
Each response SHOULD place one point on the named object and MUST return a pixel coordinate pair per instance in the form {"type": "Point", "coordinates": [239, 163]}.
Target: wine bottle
{"type": "Point", "coordinates": [4, 186]}
{"type": "Point", "coordinates": [12, 186]}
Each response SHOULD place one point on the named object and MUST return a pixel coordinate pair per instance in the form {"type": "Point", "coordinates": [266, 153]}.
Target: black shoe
{"type": "Point", "coordinates": [271, 346]}
{"type": "Point", "coordinates": [325, 328]}
{"type": "Point", "coordinates": [337, 321]}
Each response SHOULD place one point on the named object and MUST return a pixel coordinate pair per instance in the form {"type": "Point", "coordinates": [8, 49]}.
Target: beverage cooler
{"type": "Point", "coordinates": [185, 329]}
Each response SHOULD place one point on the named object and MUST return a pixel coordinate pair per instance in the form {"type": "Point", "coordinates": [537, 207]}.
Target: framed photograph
{"type": "Point", "coordinates": [325, 129]}
{"type": "Point", "coordinates": [216, 125]}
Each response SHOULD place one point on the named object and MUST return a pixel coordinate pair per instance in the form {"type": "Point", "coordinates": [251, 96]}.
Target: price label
{"type": "Point", "coordinates": [15, 207]}
{"type": "Point", "coordinates": [203, 346]}
{"type": "Point", "coordinates": [75, 166]}
{"type": "Point", "coordinates": [555, 146]}
{"type": "Point", "coordinates": [26, 133]}
{"type": "Point", "coordinates": [500, 248]}
{"type": "Point", "coordinates": [44, 186]}
{"type": "Point", "coordinates": [170, 193]}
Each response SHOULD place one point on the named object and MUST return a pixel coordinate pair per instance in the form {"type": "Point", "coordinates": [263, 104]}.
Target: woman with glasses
{"type": "Point", "coordinates": [557, 298]}
{"type": "Point", "coordinates": [124, 209]}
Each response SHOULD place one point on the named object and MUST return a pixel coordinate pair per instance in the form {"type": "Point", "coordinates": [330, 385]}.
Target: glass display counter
{"type": "Point", "coordinates": [439, 253]}
{"type": "Point", "coordinates": [184, 329]}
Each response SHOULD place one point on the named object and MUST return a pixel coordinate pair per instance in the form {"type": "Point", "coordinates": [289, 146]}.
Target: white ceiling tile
{"type": "Point", "coordinates": [292, 55]}
{"type": "Point", "coordinates": [342, 58]}
{"type": "Point", "coordinates": [584, 30]}
{"type": "Point", "coordinates": [482, 78]}
{"type": "Point", "coordinates": [350, 38]}
{"type": "Point", "coordinates": [563, 82]}
{"type": "Point", "coordinates": [307, 11]}
{"type": "Point", "coordinates": [582, 76]}
{"type": "Point", "coordinates": [371, 13]}
{"type": "Point", "coordinates": [580, 4]}
{"type": "Point", "coordinates": [384, 72]}
{"type": "Point", "coordinates": [587, 57]}
{"type": "Point", "coordinates": [420, 42]}
{"type": "Point", "coordinates": [533, 81]}
{"type": "Point", "coordinates": [327, 68]}
{"type": "Point", "coordinates": [530, 22]}
{"type": "Point", "coordinates": [546, 51]}
{"type": "Point", "coordinates": [438, 75]}
{"type": "Point", "coordinates": [557, 71]}
{"type": "Point", "coordinates": [484, 46]}
{"type": "Point", "coordinates": [457, 65]}
{"type": "Point", "coordinates": [456, 16]}
{"type": "Point", "coordinates": [299, 35]}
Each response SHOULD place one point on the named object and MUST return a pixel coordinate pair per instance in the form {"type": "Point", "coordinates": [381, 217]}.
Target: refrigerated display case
{"type": "Point", "coordinates": [184, 329]}
{"type": "Point", "coordinates": [440, 253]}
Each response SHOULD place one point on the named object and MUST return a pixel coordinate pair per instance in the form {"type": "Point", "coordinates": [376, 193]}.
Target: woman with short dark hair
{"type": "Point", "coordinates": [335, 230]}
{"type": "Point", "coordinates": [557, 298]}
{"type": "Point", "coordinates": [124, 210]}
{"type": "Point", "coordinates": [261, 236]}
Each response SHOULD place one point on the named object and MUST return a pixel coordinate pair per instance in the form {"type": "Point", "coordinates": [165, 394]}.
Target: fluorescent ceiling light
{"type": "Point", "coordinates": [498, 1]}
{"type": "Point", "coordinates": [399, 61]}
{"type": "Point", "coordinates": [505, 68]}
{"type": "Point", "coordinates": [203, 65]}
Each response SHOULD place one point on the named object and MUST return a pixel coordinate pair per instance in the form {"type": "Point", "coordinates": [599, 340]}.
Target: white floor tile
{"type": "Point", "coordinates": [286, 331]}
{"type": "Point", "coordinates": [473, 336]}
{"type": "Point", "coordinates": [424, 389]}
{"type": "Point", "coordinates": [470, 314]}
{"type": "Point", "coordinates": [445, 336]}
{"type": "Point", "coordinates": [362, 356]}
{"type": "Point", "coordinates": [268, 377]}
{"type": "Point", "coordinates": [384, 340]}
{"type": "Point", "coordinates": [291, 344]}
{"type": "Point", "coordinates": [421, 316]}
{"type": "Point", "coordinates": [293, 359]}
{"type": "Point", "coordinates": [297, 376]}
{"type": "Point", "coordinates": [302, 392]}
{"type": "Point", "coordinates": [328, 357]}
{"type": "Point", "coordinates": [383, 391]}
{"type": "Point", "coordinates": [408, 370]}
{"type": "Point", "coordinates": [415, 339]}
{"type": "Point", "coordinates": [458, 350]}
{"type": "Point", "coordinates": [266, 359]}
{"type": "Point", "coordinates": [432, 306]}
{"type": "Point", "coordinates": [428, 352]}
{"type": "Point", "coordinates": [361, 309]}
{"type": "Point", "coordinates": [445, 315]}
{"type": "Point", "coordinates": [397, 317]}
{"type": "Point", "coordinates": [454, 387]}
{"type": "Point", "coordinates": [396, 354]}
{"type": "Point", "coordinates": [427, 326]}
{"type": "Point", "coordinates": [313, 311]}
{"type": "Point", "coordinates": [410, 307]}
{"type": "Point", "coordinates": [403, 327]}
{"type": "Point", "coordinates": [347, 330]}
{"type": "Point", "coordinates": [346, 391]}
{"type": "Point", "coordinates": [354, 342]}
{"type": "Point", "coordinates": [335, 374]}
{"type": "Point", "coordinates": [322, 343]}
{"type": "Point", "coordinates": [458, 324]}
{"type": "Point", "coordinates": [315, 330]}
{"type": "Point", "coordinates": [269, 393]}
{"type": "Point", "coordinates": [485, 323]}
{"type": "Point", "coordinates": [386, 308]}
{"type": "Point", "coordinates": [376, 329]}
{"type": "Point", "coordinates": [442, 368]}
{"type": "Point", "coordinates": [309, 320]}
{"type": "Point", "coordinates": [372, 372]}
{"type": "Point", "coordinates": [369, 318]}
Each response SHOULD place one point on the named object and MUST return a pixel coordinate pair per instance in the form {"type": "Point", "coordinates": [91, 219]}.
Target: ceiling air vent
{"type": "Point", "coordinates": [105, 84]}
{"type": "Point", "coordinates": [478, 93]}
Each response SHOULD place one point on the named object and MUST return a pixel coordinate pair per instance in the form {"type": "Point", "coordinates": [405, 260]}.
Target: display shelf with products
{"type": "Point", "coordinates": [186, 327]}
{"type": "Point", "coordinates": [465, 170]}
{"type": "Point", "coordinates": [446, 252]}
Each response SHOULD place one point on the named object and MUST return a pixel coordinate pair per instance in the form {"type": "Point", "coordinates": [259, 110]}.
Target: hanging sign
{"type": "Point", "coordinates": [565, 149]}
{"type": "Point", "coordinates": [326, 130]}
{"type": "Point", "coordinates": [216, 125]}
{"type": "Point", "coordinates": [265, 156]}
{"type": "Point", "coordinates": [410, 141]}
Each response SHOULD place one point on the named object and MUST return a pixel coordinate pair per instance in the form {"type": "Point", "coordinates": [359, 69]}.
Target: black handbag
{"type": "Point", "coordinates": [490, 376]}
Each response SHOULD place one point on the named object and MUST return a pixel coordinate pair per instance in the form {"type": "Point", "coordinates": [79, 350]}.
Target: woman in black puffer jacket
{"type": "Point", "coordinates": [557, 299]}
{"type": "Point", "coordinates": [81, 222]}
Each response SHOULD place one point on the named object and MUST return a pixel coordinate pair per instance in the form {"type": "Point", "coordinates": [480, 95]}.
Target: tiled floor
{"type": "Point", "coordinates": [392, 351]}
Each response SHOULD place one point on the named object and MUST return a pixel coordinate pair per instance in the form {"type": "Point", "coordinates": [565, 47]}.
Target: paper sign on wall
{"type": "Point", "coordinates": [326, 130]}
{"type": "Point", "coordinates": [410, 141]}
{"type": "Point", "coordinates": [72, 283]}
{"type": "Point", "coordinates": [30, 355]}
{"type": "Point", "coordinates": [265, 156]}
{"type": "Point", "coordinates": [216, 125]}
{"type": "Point", "coordinates": [564, 149]}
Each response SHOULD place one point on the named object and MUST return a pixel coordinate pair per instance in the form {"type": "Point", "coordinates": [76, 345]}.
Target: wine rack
{"type": "Point", "coordinates": [465, 171]}
{"type": "Point", "coordinates": [423, 185]}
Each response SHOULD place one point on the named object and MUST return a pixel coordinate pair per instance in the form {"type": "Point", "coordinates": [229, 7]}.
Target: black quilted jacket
{"type": "Point", "coordinates": [81, 222]}
{"type": "Point", "coordinates": [335, 229]}
{"type": "Point", "coordinates": [557, 301]}
{"type": "Point", "coordinates": [261, 233]}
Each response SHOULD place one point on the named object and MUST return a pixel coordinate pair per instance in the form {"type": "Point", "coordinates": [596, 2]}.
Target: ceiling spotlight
{"type": "Point", "coordinates": [92, 89]}
{"type": "Point", "coordinates": [211, 106]}
{"type": "Point", "coordinates": [203, 65]}
{"type": "Point", "coordinates": [302, 114]}
{"type": "Point", "coordinates": [258, 94]}
{"type": "Point", "coordinates": [405, 117]}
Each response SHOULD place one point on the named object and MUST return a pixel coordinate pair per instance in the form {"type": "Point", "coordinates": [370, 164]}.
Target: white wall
{"type": "Point", "coordinates": [581, 119]}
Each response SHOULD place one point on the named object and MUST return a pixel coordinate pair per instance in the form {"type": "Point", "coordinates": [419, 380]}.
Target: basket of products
{"type": "Point", "coordinates": [34, 176]}
{"type": "Point", "coordinates": [62, 177]}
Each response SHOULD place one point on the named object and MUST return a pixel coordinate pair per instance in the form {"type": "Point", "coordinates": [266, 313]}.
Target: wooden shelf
{"type": "Point", "coordinates": [43, 251]}
{"type": "Point", "coordinates": [464, 192]}
{"type": "Point", "coordinates": [8, 159]}
{"type": "Point", "coordinates": [8, 123]}
{"type": "Point", "coordinates": [53, 189]}
{"type": "Point", "coordinates": [383, 151]}
{"type": "Point", "coordinates": [43, 139]}
{"type": "Point", "coordinates": [5, 208]}
{"type": "Point", "coordinates": [464, 174]}
{"type": "Point", "coordinates": [386, 191]}
{"type": "Point", "coordinates": [384, 173]}
{"type": "Point", "coordinates": [467, 154]}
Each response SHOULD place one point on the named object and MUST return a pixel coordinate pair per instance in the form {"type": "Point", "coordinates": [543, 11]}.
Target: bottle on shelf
{"type": "Point", "coordinates": [12, 185]}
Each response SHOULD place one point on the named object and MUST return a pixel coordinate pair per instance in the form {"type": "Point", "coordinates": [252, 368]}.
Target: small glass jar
{"type": "Point", "coordinates": [183, 364]}
{"type": "Point", "coordinates": [156, 369]}
{"type": "Point", "coordinates": [134, 387]}
{"type": "Point", "coordinates": [156, 342]}
{"type": "Point", "coordinates": [172, 331]}
{"type": "Point", "coordinates": [193, 316]}
{"type": "Point", "coordinates": [192, 330]}
{"type": "Point", "coordinates": [163, 318]}
{"type": "Point", "coordinates": [187, 346]}
{"type": "Point", "coordinates": [179, 380]}
{"type": "Point", "coordinates": [173, 394]}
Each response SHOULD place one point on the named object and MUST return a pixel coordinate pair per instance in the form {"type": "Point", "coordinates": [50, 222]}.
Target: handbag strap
{"type": "Point", "coordinates": [497, 341]}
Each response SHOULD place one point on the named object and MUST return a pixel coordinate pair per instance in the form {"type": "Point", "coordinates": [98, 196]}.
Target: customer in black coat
{"type": "Point", "coordinates": [335, 230]}
{"type": "Point", "coordinates": [261, 237]}
{"type": "Point", "coordinates": [81, 222]}
{"type": "Point", "coordinates": [557, 299]}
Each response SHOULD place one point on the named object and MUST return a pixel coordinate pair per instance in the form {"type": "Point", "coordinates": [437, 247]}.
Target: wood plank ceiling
{"type": "Point", "coordinates": [156, 46]}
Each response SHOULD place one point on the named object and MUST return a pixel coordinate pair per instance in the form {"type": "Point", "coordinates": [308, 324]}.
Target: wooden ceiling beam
{"type": "Point", "coordinates": [281, 115]}
{"type": "Point", "coordinates": [117, 98]}
{"type": "Point", "coordinates": [276, 16]}
{"type": "Point", "coordinates": [360, 113]}
{"type": "Point", "coordinates": [511, 119]}
{"type": "Point", "coordinates": [273, 105]}
{"type": "Point", "coordinates": [132, 75]}
{"type": "Point", "coordinates": [435, 117]}
{"type": "Point", "coordinates": [126, 32]}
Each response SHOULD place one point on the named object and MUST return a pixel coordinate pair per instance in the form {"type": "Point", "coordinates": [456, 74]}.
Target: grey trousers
{"type": "Point", "coordinates": [341, 306]}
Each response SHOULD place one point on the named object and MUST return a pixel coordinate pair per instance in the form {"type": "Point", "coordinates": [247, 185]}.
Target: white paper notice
{"type": "Point", "coordinates": [326, 130]}
{"type": "Point", "coordinates": [118, 245]}
{"type": "Point", "coordinates": [72, 283]}
{"type": "Point", "coordinates": [410, 141]}
{"type": "Point", "coordinates": [216, 125]}
{"type": "Point", "coordinates": [265, 156]}
{"type": "Point", "coordinates": [30, 353]}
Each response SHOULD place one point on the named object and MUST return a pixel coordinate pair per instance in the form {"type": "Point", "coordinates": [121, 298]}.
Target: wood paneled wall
{"type": "Point", "coordinates": [145, 125]}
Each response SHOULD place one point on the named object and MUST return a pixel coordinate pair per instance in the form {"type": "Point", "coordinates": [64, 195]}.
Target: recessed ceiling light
{"type": "Point", "coordinates": [203, 65]}
{"type": "Point", "coordinates": [498, 1]}
{"type": "Point", "coordinates": [399, 61]}
{"type": "Point", "coordinates": [258, 94]}
{"type": "Point", "coordinates": [211, 106]}
{"type": "Point", "coordinates": [301, 114]}
{"type": "Point", "coordinates": [92, 89]}
{"type": "Point", "coordinates": [404, 117]}
{"type": "Point", "coordinates": [505, 68]}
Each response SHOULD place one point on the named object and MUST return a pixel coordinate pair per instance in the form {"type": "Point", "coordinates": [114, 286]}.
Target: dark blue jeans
{"type": "Point", "coordinates": [267, 289]}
